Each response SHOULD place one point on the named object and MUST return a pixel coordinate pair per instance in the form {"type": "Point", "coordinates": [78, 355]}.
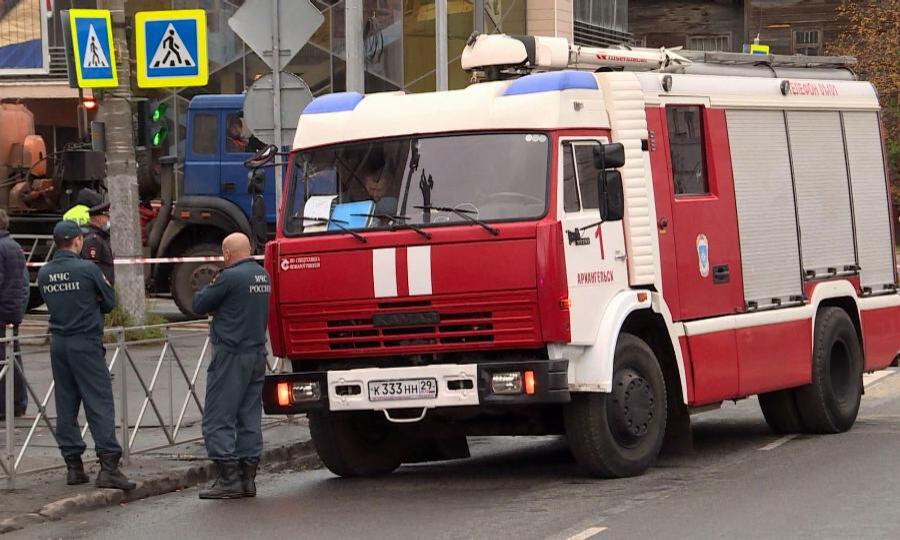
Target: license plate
{"type": "Point", "coordinates": [403, 389]}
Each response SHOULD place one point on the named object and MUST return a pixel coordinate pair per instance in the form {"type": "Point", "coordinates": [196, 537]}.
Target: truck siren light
{"type": "Point", "coordinates": [551, 82]}
{"type": "Point", "coordinates": [339, 102]}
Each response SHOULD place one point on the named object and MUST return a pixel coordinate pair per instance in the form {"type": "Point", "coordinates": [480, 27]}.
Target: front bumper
{"type": "Point", "coordinates": [458, 385]}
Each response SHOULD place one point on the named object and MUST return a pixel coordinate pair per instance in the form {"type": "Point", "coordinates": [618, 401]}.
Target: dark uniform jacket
{"type": "Point", "coordinates": [96, 248]}
{"type": "Point", "coordinates": [238, 298]}
{"type": "Point", "coordinates": [76, 293]}
{"type": "Point", "coordinates": [12, 261]}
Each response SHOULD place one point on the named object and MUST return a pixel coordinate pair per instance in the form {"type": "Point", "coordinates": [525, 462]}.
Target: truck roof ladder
{"type": "Point", "coordinates": [499, 56]}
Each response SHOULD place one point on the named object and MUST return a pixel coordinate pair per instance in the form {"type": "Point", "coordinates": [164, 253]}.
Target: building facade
{"type": "Point", "coordinates": [787, 26]}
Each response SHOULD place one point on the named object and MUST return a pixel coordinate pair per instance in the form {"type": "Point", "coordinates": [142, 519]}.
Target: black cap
{"type": "Point", "coordinates": [93, 200]}
{"type": "Point", "coordinates": [66, 230]}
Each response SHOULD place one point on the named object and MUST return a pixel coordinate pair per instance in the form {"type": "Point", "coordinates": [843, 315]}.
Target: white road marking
{"type": "Point", "coordinates": [587, 533]}
{"type": "Point", "coordinates": [775, 444]}
{"type": "Point", "coordinates": [871, 378]}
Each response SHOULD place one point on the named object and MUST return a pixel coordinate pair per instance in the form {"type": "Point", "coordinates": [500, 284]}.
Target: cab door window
{"type": "Point", "coordinates": [685, 131]}
{"type": "Point", "coordinates": [579, 177]}
{"type": "Point", "coordinates": [203, 137]}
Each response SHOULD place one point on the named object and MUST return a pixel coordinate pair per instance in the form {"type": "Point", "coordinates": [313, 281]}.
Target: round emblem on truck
{"type": "Point", "coordinates": [285, 264]}
{"type": "Point", "coordinates": [703, 255]}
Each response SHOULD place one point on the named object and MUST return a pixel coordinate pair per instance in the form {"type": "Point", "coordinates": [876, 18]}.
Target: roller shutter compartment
{"type": "Point", "coordinates": [870, 200]}
{"type": "Point", "coordinates": [823, 192]}
{"type": "Point", "coordinates": [767, 219]}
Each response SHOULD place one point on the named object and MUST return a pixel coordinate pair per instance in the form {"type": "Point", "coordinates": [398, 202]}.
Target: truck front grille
{"type": "Point", "coordinates": [492, 320]}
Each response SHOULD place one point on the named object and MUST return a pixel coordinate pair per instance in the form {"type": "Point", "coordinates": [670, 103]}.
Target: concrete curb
{"type": "Point", "coordinates": [300, 454]}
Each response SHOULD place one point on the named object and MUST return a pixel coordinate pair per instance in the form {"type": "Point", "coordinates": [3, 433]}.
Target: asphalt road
{"type": "Point", "coordinates": [739, 482]}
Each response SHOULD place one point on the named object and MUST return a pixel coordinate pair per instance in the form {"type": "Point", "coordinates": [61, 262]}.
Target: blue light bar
{"type": "Point", "coordinates": [552, 81]}
{"type": "Point", "coordinates": [338, 102]}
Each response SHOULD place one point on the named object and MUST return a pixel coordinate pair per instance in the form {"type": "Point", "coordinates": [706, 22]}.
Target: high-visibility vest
{"type": "Point", "coordinates": [79, 214]}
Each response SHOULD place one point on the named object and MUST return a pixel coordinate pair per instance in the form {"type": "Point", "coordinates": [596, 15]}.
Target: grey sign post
{"type": "Point", "coordinates": [276, 31]}
{"type": "Point", "coordinates": [259, 112]}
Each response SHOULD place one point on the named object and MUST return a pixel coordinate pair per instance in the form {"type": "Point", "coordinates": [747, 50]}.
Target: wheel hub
{"type": "Point", "coordinates": [202, 276]}
{"type": "Point", "coordinates": [632, 405]}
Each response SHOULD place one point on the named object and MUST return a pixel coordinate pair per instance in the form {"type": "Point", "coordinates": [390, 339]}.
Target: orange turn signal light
{"type": "Point", "coordinates": [565, 303]}
{"type": "Point", "coordinates": [284, 394]}
{"type": "Point", "coordinates": [529, 382]}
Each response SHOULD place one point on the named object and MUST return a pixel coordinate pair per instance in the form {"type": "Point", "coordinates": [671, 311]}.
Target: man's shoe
{"type": "Point", "coordinates": [19, 413]}
{"type": "Point", "coordinates": [228, 483]}
{"type": "Point", "coordinates": [110, 476]}
{"type": "Point", "coordinates": [248, 477]}
{"type": "Point", "coordinates": [75, 474]}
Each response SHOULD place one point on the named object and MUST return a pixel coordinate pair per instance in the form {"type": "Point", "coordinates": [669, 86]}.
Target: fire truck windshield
{"type": "Point", "coordinates": [419, 182]}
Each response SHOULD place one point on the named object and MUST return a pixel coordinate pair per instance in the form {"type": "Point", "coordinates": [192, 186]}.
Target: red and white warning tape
{"type": "Point", "coordinates": [158, 260]}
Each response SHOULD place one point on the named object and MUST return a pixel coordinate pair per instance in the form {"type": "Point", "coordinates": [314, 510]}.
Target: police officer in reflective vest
{"type": "Point", "coordinates": [232, 420]}
{"type": "Point", "coordinates": [77, 295]}
{"type": "Point", "coordinates": [96, 233]}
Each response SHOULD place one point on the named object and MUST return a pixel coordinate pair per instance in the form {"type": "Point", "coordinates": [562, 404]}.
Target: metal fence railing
{"type": "Point", "coordinates": [165, 375]}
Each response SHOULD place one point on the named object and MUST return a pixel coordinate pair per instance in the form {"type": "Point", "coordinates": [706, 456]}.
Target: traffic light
{"type": "Point", "coordinates": [152, 125]}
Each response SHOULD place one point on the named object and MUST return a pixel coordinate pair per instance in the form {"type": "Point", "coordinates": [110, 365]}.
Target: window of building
{"type": "Point", "coordinates": [579, 177]}
{"type": "Point", "coordinates": [720, 42]}
{"type": "Point", "coordinates": [204, 137]}
{"type": "Point", "coordinates": [808, 42]}
{"type": "Point", "coordinates": [686, 150]}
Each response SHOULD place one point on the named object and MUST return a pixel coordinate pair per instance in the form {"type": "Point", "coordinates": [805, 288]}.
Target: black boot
{"type": "Point", "coordinates": [110, 476]}
{"type": "Point", "coordinates": [75, 474]}
{"type": "Point", "coordinates": [227, 485]}
{"type": "Point", "coordinates": [248, 477]}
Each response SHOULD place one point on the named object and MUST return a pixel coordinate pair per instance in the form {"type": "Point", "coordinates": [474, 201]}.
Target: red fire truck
{"type": "Point", "coordinates": [588, 242]}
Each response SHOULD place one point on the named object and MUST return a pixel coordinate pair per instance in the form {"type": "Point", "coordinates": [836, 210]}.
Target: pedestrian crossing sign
{"type": "Point", "coordinates": [171, 48]}
{"type": "Point", "coordinates": [93, 52]}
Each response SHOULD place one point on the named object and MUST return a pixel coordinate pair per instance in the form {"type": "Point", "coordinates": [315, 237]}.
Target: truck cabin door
{"type": "Point", "coordinates": [202, 154]}
{"type": "Point", "coordinates": [237, 145]}
{"type": "Point", "coordinates": [702, 214]}
{"type": "Point", "coordinates": [594, 251]}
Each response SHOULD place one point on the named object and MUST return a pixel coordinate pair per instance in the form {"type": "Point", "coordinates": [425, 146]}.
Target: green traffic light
{"type": "Point", "coordinates": [159, 112]}
{"type": "Point", "coordinates": [159, 136]}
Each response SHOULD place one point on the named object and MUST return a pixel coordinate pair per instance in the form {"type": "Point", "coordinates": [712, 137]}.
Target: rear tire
{"type": "Point", "coordinates": [188, 278]}
{"type": "Point", "coordinates": [620, 434]}
{"type": "Point", "coordinates": [780, 411]}
{"type": "Point", "coordinates": [356, 444]}
{"type": "Point", "coordinates": [830, 403]}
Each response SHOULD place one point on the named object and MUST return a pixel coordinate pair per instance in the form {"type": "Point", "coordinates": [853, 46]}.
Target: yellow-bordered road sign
{"type": "Point", "coordinates": [171, 48]}
{"type": "Point", "coordinates": [93, 51]}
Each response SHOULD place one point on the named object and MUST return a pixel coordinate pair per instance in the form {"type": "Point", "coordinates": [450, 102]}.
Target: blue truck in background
{"type": "Point", "coordinates": [213, 198]}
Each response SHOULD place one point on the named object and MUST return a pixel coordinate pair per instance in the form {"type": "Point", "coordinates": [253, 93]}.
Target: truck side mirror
{"type": "Point", "coordinates": [609, 156]}
{"type": "Point", "coordinates": [262, 157]}
{"type": "Point", "coordinates": [612, 196]}
{"type": "Point", "coordinates": [256, 181]}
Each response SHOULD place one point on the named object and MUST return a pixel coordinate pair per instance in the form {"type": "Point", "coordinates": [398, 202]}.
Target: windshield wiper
{"type": "Point", "coordinates": [338, 222]}
{"type": "Point", "coordinates": [398, 222]}
{"type": "Point", "coordinates": [463, 214]}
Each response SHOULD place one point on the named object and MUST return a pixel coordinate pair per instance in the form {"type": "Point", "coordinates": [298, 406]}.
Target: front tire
{"type": "Point", "coordinates": [830, 402]}
{"type": "Point", "coordinates": [780, 411]}
{"type": "Point", "coordinates": [356, 444]}
{"type": "Point", "coordinates": [188, 278]}
{"type": "Point", "coordinates": [619, 434]}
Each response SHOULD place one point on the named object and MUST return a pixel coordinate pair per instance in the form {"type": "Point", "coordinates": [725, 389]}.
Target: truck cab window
{"type": "Point", "coordinates": [236, 138]}
{"type": "Point", "coordinates": [579, 177]}
{"type": "Point", "coordinates": [685, 129]}
{"type": "Point", "coordinates": [204, 137]}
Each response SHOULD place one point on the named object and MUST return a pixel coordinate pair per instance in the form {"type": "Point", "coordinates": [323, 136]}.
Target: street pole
{"type": "Point", "coordinates": [440, 34]}
{"type": "Point", "coordinates": [478, 16]}
{"type": "Point", "coordinates": [115, 111]}
{"type": "Point", "coordinates": [354, 51]}
{"type": "Point", "coordinates": [276, 98]}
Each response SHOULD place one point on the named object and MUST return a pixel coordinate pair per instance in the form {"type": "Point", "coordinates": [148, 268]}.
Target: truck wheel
{"type": "Point", "coordinates": [354, 444]}
{"type": "Point", "coordinates": [620, 434]}
{"type": "Point", "coordinates": [780, 411]}
{"type": "Point", "coordinates": [830, 403]}
{"type": "Point", "coordinates": [188, 278]}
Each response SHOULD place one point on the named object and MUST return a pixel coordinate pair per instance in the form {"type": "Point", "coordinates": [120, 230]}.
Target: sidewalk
{"type": "Point", "coordinates": [45, 496]}
{"type": "Point", "coordinates": [161, 409]}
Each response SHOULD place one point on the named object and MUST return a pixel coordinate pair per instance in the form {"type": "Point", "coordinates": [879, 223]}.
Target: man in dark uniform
{"type": "Point", "coordinates": [96, 233]}
{"type": "Point", "coordinates": [77, 295]}
{"type": "Point", "coordinates": [238, 298]}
